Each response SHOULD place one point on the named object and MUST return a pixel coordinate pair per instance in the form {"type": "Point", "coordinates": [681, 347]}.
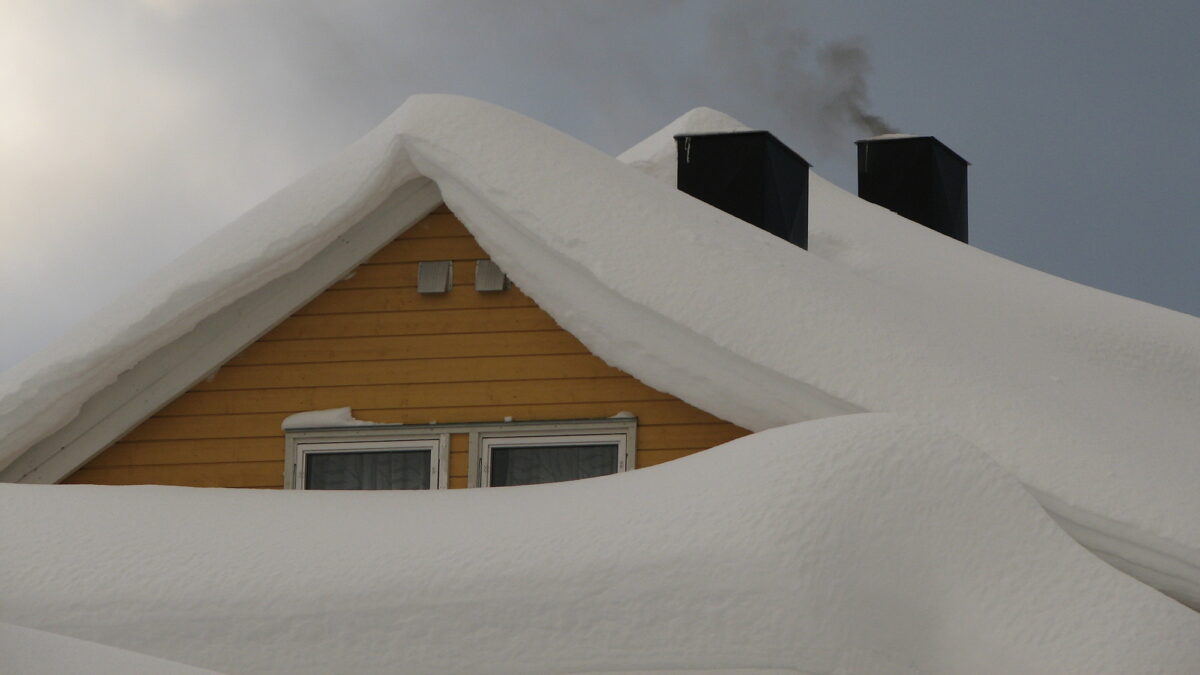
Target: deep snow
{"type": "Point", "coordinates": [1088, 398]}
{"type": "Point", "coordinates": [856, 544]}
{"type": "Point", "coordinates": [24, 651]}
{"type": "Point", "coordinates": [1146, 358]}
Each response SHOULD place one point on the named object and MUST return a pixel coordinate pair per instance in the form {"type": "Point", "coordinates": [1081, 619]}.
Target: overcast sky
{"type": "Point", "coordinates": [131, 129]}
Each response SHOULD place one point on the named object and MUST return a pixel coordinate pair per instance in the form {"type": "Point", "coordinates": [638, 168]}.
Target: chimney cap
{"type": "Point", "coordinates": [753, 132]}
{"type": "Point", "coordinates": [898, 138]}
{"type": "Point", "coordinates": [888, 137]}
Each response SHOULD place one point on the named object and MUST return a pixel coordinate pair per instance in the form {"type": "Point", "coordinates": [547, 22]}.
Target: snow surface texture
{"type": "Point", "coordinates": [655, 155]}
{"type": "Point", "coordinates": [24, 651]}
{"type": "Point", "coordinates": [1149, 356]}
{"type": "Point", "coordinates": [1089, 398]}
{"type": "Point", "coordinates": [333, 417]}
{"type": "Point", "coordinates": [856, 544]}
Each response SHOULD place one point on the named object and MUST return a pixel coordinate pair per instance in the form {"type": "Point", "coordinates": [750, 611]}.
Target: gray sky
{"type": "Point", "coordinates": [131, 129]}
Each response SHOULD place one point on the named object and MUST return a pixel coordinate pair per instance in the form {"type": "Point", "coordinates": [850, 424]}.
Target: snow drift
{"type": "Point", "coordinates": [33, 652]}
{"type": "Point", "coordinates": [1088, 398]}
{"type": "Point", "coordinates": [1146, 357]}
{"type": "Point", "coordinates": [863, 544]}
{"type": "Point", "coordinates": [637, 272]}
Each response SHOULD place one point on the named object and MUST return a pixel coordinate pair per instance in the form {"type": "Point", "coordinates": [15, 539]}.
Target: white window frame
{"type": "Point", "coordinates": [490, 442]}
{"type": "Point", "coordinates": [301, 443]}
{"type": "Point", "coordinates": [620, 430]}
{"type": "Point", "coordinates": [481, 437]}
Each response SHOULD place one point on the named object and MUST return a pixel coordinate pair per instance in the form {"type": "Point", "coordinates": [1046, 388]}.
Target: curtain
{"type": "Point", "coordinates": [389, 470]}
{"type": "Point", "coordinates": [551, 463]}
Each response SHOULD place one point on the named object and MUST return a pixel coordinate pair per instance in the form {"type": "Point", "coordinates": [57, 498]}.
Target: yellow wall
{"type": "Point", "coordinates": [373, 343]}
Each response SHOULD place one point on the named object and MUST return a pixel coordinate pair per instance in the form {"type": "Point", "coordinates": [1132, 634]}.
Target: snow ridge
{"type": "Point", "coordinates": [854, 544]}
{"type": "Point", "coordinates": [1144, 362]}
{"type": "Point", "coordinates": [1089, 399]}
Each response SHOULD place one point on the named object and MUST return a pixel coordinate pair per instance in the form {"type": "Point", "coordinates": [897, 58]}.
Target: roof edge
{"type": "Point", "coordinates": [177, 366]}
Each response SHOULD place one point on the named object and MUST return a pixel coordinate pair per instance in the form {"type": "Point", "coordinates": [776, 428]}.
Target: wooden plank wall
{"type": "Point", "coordinates": [373, 343]}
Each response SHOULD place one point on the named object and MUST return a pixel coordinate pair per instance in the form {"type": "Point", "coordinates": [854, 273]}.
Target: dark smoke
{"type": "Point", "coordinates": [844, 67]}
{"type": "Point", "coordinates": [764, 54]}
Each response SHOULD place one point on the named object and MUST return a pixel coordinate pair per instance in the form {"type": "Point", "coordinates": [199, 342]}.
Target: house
{"type": "Point", "coordinates": [448, 365]}
{"type": "Point", "coordinates": [484, 292]}
{"type": "Point", "coordinates": [460, 365]}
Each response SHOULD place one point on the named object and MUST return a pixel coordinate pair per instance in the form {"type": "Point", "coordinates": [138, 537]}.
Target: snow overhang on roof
{"type": "Point", "coordinates": [1087, 397]}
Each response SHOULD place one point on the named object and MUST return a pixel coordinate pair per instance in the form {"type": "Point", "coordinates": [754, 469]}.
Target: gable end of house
{"type": "Point", "coordinates": [371, 341]}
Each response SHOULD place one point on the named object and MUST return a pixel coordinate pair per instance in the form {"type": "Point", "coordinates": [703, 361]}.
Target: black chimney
{"type": "Point", "coordinates": [750, 175]}
{"type": "Point", "coordinates": [919, 178]}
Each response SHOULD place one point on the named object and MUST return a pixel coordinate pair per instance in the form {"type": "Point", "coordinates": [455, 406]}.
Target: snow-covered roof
{"type": "Point", "coordinates": [1088, 398]}
{"type": "Point", "coordinates": [856, 544]}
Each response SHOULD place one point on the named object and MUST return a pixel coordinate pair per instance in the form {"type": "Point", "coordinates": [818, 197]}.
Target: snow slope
{"type": "Point", "coordinates": [1088, 398]}
{"type": "Point", "coordinates": [718, 313]}
{"type": "Point", "coordinates": [856, 544]}
{"type": "Point", "coordinates": [24, 651]}
{"type": "Point", "coordinates": [1148, 355]}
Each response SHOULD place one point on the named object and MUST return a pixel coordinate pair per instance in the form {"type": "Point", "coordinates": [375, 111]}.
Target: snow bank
{"type": "Point", "coordinates": [1119, 471]}
{"type": "Point", "coordinates": [857, 544]}
{"type": "Point", "coordinates": [25, 651]}
{"type": "Point", "coordinates": [1088, 398]}
{"type": "Point", "coordinates": [1107, 431]}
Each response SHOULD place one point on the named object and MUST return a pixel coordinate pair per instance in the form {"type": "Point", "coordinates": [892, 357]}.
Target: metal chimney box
{"type": "Point", "coordinates": [919, 178]}
{"type": "Point", "coordinates": [750, 175]}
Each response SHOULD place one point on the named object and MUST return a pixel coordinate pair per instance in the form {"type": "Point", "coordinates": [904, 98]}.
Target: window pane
{"type": "Point", "coordinates": [398, 470]}
{"type": "Point", "coordinates": [551, 463]}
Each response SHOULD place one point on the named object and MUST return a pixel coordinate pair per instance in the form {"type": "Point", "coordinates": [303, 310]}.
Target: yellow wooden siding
{"type": "Point", "coordinates": [373, 343]}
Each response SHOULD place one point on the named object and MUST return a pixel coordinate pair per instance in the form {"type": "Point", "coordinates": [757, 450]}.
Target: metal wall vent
{"type": "Point", "coordinates": [435, 276]}
{"type": "Point", "coordinates": [489, 278]}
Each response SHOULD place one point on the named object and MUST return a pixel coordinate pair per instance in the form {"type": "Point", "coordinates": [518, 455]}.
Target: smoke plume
{"type": "Point", "coordinates": [844, 66]}
{"type": "Point", "coordinates": [760, 51]}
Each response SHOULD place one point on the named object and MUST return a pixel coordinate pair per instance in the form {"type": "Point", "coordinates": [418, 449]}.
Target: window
{"type": "Point", "coordinates": [358, 459]}
{"type": "Point", "coordinates": [526, 460]}
{"type": "Point", "coordinates": [527, 453]}
{"type": "Point", "coordinates": [395, 457]}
